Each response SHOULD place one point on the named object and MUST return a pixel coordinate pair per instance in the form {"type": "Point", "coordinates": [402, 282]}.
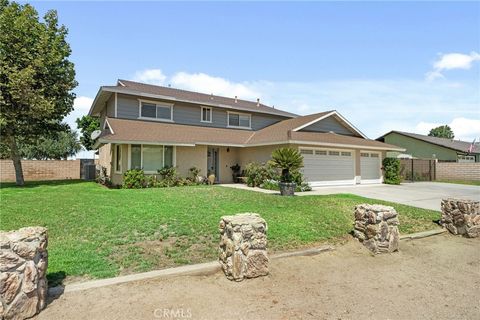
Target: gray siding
{"type": "Point", "coordinates": [327, 125]}
{"type": "Point", "coordinates": [111, 106]}
{"type": "Point", "coordinates": [183, 113]}
{"type": "Point", "coordinates": [127, 107]}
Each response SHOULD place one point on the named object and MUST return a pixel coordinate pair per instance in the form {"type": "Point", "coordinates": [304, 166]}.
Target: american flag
{"type": "Point", "coordinates": [470, 149]}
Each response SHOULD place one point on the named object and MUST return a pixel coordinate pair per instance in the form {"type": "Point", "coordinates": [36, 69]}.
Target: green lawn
{"type": "Point", "coordinates": [98, 232]}
{"type": "Point", "coordinates": [467, 182]}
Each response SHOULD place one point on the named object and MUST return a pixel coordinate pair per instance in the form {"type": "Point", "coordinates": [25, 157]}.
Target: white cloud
{"type": "Point", "coordinates": [152, 76]}
{"type": "Point", "coordinates": [463, 128]}
{"type": "Point", "coordinates": [450, 61]}
{"type": "Point", "coordinates": [81, 106]}
{"type": "Point", "coordinates": [205, 83]}
{"type": "Point", "coordinates": [375, 106]}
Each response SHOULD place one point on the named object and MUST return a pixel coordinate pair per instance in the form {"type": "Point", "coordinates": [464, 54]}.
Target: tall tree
{"type": "Point", "coordinates": [59, 145]}
{"type": "Point", "coordinates": [36, 77]}
{"type": "Point", "coordinates": [442, 132]}
{"type": "Point", "coordinates": [87, 125]}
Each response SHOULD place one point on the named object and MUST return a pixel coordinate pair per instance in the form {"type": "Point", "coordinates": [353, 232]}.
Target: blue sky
{"type": "Point", "coordinates": [399, 65]}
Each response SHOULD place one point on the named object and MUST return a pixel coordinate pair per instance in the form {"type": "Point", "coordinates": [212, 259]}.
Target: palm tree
{"type": "Point", "coordinates": [287, 159]}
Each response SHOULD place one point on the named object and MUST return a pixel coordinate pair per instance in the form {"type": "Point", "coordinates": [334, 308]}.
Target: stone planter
{"type": "Point", "coordinates": [287, 188]}
{"type": "Point", "coordinates": [23, 270]}
{"type": "Point", "coordinates": [243, 246]}
{"type": "Point", "coordinates": [461, 217]}
{"type": "Point", "coordinates": [376, 226]}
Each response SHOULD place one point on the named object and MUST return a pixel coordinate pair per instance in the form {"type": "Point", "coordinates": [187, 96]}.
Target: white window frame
{"type": "Point", "coordinates": [118, 165]}
{"type": "Point", "coordinates": [239, 114]}
{"type": "Point", "coordinates": [157, 104]}
{"type": "Point", "coordinates": [174, 156]}
{"type": "Point", "coordinates": [209, 112]}
{"type": "Point", "coordinates": [465, 158]}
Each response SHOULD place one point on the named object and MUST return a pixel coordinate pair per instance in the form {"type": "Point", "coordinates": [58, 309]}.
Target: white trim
{"type": "Point", "coordinates": [157, 104]}
{"type": "Point", "coordinates": [148, 142]}
{"type": "Point", "coordinates": [332, 183]}
{"type": "Point", "coordinates": [329, 115]}
{"type": "Point", "coordinates": [121, 83]}
{"type": "Point", "coordinates": [129, 157]}
{"type": "Point", "coordinates": [239, 114]}
{"type": "Point", "coordinates": [337, 145]}
{"type": "Point", "coordinates": [116, 105]}
{"type": "Point", "coordinates": [201, 114]}
{"type": "Point", "coordinates": [109, 126]}
{"type": "Point", "coordinates": [116, 169]}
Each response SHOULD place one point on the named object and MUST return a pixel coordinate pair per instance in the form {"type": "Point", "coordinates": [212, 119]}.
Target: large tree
{"type": "Point", "coordinates": [59, 145]}
{"type": "Point", "coordinates": [36, 77]}
{"type": "Point", "coordinates": [87, 125]}
{"type": "Point", "coordinates": [442, 132]}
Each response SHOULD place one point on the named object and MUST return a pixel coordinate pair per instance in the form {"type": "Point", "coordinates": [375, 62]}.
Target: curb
{"type": "Point", "coordinates": [423, 234]}
{"type": "Point", "coordinates": [195, 269]}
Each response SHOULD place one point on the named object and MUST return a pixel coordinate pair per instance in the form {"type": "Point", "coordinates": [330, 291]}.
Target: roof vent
{"type": "Point", "coordinates": [235, 99]}
{"type": "Point", "coordinates": [169, 85]}
{"type": "Point", "coordinates": [211, 96]}
{"type": "Point", "coordinates": [258, 102]}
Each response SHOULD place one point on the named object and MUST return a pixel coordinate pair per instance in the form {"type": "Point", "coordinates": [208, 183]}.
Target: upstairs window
{"type": "Point", "coordinates": [206, 114]}
{"type": "Point", "coordinates": [157, 111]}
{"type": "Point", "coordinates": [239, 120]}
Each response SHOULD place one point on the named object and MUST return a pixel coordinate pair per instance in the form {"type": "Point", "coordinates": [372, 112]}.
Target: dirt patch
{"type": "Point", "coordinates": [431, 278]}
{"type": "Point", "coordinates": [160, 254]}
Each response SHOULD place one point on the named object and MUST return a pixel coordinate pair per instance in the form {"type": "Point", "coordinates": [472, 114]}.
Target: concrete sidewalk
{"type": "Point", "coordinates": [427, 195]}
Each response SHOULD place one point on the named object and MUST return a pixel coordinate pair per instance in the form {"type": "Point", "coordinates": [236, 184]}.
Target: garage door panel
{"type": "Point", "coordinates": [370, 167]}
{"type": "Point", "coordinates": [320, 166]}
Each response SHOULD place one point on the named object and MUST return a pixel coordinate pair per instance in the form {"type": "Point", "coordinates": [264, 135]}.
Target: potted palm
{"type": "Point", "coordinates": [287, 159]}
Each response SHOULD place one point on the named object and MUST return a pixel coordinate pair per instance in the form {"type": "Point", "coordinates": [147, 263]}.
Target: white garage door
{"type": "Point", "coordinates": [323, 167]}
{"type": "Point", "coordinates": [370, 167]}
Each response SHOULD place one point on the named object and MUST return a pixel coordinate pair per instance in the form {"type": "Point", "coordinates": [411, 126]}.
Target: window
{"type": "Point", "coordinates": [151, 158]}
{"type": "Point", "coordinates": [206, 114]}
{"type": "Point", "coordinates": [320, 152]}
{"type": "Point", "coordinates": [464, 158]}
{"type": "Point", "coordinates": [374, 155]}
{"type": "Point", "coordinates": [239, 120]}
{"type": "Point", "coordinates": [152, 110]}
{"type": "Point", "coordinates": [305, 151]}
{"type": "Point", "coordinates": [118, 158]}
{"type": "Point", "coordinates": [364, 155]}
{"type": "Point", "coordinates": [346, 154]}
{"type": "Point", "coordinates": [333, 153]}
{"type": "Point", "coordinates": [136, 156]}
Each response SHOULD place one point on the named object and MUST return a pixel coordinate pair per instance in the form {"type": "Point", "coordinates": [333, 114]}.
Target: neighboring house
{"type": "Point", "coordinates": [149, 127]}
{"type": "Point", "coordinates": [426, 147]}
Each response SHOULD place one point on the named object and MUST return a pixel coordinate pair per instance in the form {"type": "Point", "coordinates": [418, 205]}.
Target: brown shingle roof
{"type": "Point", "coordinates": [457, 145]}
{"type": "Point", "coordinates": [197, 97]}
{"type": "Point", "coordinates": [139, 131]}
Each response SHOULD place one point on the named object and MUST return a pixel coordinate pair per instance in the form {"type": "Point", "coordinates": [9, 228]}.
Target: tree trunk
{"type": "Point", "coordinates": [17, 164]}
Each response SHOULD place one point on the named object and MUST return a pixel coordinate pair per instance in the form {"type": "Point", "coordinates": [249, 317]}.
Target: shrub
{"type": "Point", "coordinates": [134, 179]}
{"type": "Point", "coordinates": [169, 176]}
{"type": "Point", "coordinates": [257, 173]}
{"type": "Point", "coordinates": [391, 167]}
{"type": "Point", "coordinates": [288, 160]}
{"type": "Point", "coordinates": [194, 173]}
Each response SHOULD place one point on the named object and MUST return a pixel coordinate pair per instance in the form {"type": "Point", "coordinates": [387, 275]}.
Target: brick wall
{"type": "Point", "coordinates": [41, 170]}
{"type": "Point", "coordinates": [458, 171]}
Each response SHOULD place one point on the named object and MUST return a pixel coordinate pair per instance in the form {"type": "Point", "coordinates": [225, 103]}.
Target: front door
{"type": "Point", "coordinates": [212, 162]}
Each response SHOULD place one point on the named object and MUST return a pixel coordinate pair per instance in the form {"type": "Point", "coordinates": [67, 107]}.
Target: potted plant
{"type": "Point", "coordinates": [235, 172]}
{"type": "Point", "coordinates": [287, 159]}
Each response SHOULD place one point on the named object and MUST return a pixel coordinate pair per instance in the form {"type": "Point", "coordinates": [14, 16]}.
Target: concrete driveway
{"type": "Point", "coordinates": [427, 195]}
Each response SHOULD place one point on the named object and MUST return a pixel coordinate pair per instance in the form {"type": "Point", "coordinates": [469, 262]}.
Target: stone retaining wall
{"type": "Point", "coordinates": [461, 217]}
{"type": "Point", "coordinates": [23, 268]}
{"type": "Point", "coordinates": [243, 246]}
{"type": "Point", "coordinates": [376, 226]}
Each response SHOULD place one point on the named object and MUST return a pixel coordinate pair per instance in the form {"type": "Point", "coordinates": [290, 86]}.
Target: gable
{"type": "Point", "coordinates": [329, 124]}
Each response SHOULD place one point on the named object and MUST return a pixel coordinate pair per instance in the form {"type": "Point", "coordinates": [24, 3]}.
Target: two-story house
{"type": "Point", "coordinates": [149, 127]}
